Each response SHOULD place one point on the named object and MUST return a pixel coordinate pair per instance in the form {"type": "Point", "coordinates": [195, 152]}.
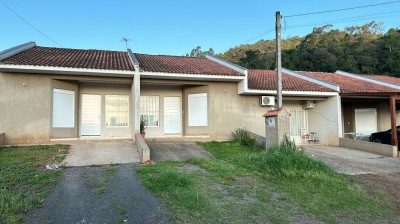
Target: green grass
{"type": "Point", "coordinates": [121, 210]}
{"type": "Point", "coordinates": [24, 181]}
{"type": "Point", "coordinates": [99, 177]}
{"type": "Point", "coordinates": [99, 190]}
{"type": "Point", "coordinates": [243, 185]}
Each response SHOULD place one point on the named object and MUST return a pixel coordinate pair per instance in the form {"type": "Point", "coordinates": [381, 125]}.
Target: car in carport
{"type": "Point", "coordinates": [384, 137]}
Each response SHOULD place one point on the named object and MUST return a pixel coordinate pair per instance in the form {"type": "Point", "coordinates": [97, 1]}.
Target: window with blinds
{"type": "Point", "coordinates": [117, 110]}
{"type": "Point", "coordinates": [150, 110]}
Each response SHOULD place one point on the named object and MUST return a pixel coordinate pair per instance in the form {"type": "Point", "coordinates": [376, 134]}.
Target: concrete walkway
{"type": "Point", "coordinates": [353, 162]}
{"type": "Point", "coordinates": [86, 153]}
{"type": "Point", "coordinates": [161, 151]}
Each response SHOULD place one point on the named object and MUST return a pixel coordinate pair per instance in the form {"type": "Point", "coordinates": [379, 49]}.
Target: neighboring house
{"type": "Point", "coordinates": [365, 100]}
{"type": "Point", "coordinates": [57, 93]}
{"type": "Point", "coordinates": [313, 104]}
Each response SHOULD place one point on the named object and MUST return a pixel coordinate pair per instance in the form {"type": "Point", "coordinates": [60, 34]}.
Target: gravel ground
{"type": "Point", "coordinates": [103, 194]}
{"type": "Point", "coordinates": [354, 162]}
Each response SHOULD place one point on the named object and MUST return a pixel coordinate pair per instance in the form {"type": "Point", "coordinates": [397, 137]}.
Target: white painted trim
{"type": "Point", "coordinates": [243, 85]}
{"type": "Point", "coordinates": [382, 83]}
{"type": "Point", "coordinates": [181, 76]}
{"type": "Point", "coordinates": [311, 79]}
{"type": "Point", "coordinates": [228, 64]}
{"type": "Point", "coordinates": [288, 93]}
{"type": "Point", "coordinates": [15, 50]}
{"type": "Point", "coordinates": [63, 70]}
{"type": "Point", "coordinates": [339, 111]}
{"type": "Point", "coordinates": [244, 90]}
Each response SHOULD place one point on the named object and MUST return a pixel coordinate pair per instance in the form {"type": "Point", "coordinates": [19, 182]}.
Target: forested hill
{"type": "Point", "coordinates": [362, 49]}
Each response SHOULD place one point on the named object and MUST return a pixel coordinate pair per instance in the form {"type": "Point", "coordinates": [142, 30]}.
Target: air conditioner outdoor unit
{"type": "Point", "coordinates": [309, 104]}
{"type": "Point", "coordinates": [267, 101]}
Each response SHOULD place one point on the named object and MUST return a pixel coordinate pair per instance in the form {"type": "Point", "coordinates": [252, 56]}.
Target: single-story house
{"type": "Point", "coordinates": [58, 93]}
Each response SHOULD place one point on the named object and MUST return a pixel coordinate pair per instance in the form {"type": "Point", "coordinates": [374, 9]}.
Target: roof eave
{"type": "Point", "coordinates": [64, 70]}
{"type": "Point", "coordinates": [288, 93]}
{"type": "Point", "coordinates": [182, 76]}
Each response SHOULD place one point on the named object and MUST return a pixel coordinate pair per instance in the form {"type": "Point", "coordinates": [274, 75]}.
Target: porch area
{"type": "Point", "coordinates": [365, 114]}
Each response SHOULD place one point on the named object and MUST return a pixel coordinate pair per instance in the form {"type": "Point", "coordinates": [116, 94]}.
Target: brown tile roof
{"type": "Point", "coordinates": [183, 65]}
{"type": "Point", "coordinates": [272, 113]}
{"type": "Point", "coordinates": [266, 80]}
{"type": "Point", "coordinates": [72, 58]}
{"type": "Point", "coordinates": [389, 79]}
{"type": "Point", "coordinates": [275, 112]}
{"type": "Point", "coordinates": [349, 84]}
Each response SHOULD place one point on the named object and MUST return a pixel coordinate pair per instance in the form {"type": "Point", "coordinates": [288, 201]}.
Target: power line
{"type": "Point", "coordinates": [343, 9]}
{"type": "Point", "coordinates": [349, 19]}
{"type": "Point", "coordinates": [32, 26]}
{"type": "Point", "coordinates": [260, 35]}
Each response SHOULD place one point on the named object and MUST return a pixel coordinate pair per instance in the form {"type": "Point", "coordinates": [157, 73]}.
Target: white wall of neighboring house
{"type": "Point", "coordinates": [325, 119]}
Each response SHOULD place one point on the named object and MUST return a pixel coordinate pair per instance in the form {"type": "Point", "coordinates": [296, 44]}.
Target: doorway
{"type": "Point", "coordinates": [90, 115]}
{"type": "Point", "coordinates": [172, 115]}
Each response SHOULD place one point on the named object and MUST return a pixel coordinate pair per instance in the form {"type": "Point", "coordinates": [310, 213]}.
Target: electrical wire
{"type": "Point", "coordinates": [28, 23]}
{"type": "Point", "coordinates": [258, 36]}
{"type": "Point", "coordinates": [343, 9]}
{"type": "Point", "coordinates": [340, 21]}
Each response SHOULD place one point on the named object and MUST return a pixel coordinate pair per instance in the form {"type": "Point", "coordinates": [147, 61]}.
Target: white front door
{"type": "Point", "coordinates": [298, 124]}
{"type": "Point", "coordinates": [90, 115]}
{"type": "Point", "coordinates": [172, 115]}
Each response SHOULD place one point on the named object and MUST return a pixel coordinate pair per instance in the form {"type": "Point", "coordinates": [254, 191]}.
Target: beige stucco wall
{"type": "Point", "coordinates": [325, 120]}
{"type": "Point", "coordinates": [229, 111]}
{"type": "Point", "coordinates": [160, 91]}
{"type": "Point", "coordinates": [384, 122]}
{"type": "Point", "coordinates": [25, 107]}
{"type": "Point", "coordinates": [108, 89]}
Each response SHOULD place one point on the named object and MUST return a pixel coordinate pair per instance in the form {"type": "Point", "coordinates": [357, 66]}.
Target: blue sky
{"type": "Point", "coordinates": [174, 27]}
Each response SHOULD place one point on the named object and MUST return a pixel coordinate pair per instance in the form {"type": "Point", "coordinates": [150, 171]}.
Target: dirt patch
{"type": "Point", "coordinates": [387, 185]}
{"type": "Point", "coordinates": [191, 168]}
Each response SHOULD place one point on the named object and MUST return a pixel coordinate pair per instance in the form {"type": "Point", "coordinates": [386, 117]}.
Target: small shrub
{"type": "Point", "coordinates": [242, 136]}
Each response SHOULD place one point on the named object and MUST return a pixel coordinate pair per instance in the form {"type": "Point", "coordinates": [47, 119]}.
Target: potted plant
{"type": "Point", "coordinates": [143, 126]}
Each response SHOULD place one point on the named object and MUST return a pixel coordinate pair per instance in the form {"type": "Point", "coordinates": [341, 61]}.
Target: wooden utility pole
{"type": "Point", "coordinates": [278, 61]}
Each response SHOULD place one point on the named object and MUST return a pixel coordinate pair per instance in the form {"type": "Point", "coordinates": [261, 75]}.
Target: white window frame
{"type": "Point", "coordinates": [198, 114]}
{"type": "Point", "coordinates": [71, 120]}
{"type": "Point", "coordinates": [152, 112]}
{"type": "Point", "coordinates": [105, 111]}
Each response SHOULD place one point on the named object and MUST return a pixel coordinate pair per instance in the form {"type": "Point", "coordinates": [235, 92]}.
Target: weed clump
{"type": "Point", "coordinates": [242, 136]}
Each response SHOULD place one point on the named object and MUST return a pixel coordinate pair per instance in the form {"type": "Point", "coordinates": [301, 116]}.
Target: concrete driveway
{"type": "Point", "coordinates": [86, 153]}
{"type": "Point", "coordinates": [99, 194]}
{"type": "Point", "coordinates": [353, 162]}
{"type": "Point", "coordinates": [161, 151]}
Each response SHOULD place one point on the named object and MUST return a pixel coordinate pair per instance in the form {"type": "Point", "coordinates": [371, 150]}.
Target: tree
{"type": "Point", "coordinates": [198, 53]}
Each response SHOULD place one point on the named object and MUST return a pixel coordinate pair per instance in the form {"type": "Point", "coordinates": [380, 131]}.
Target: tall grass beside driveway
{"type": "Point", "coordinates": [24, 180]}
